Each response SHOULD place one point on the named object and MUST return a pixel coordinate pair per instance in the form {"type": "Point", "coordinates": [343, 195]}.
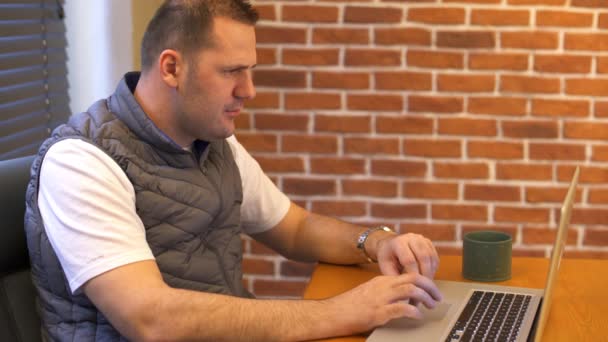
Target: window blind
{"type": "Point", "coordinates": [33, 74]}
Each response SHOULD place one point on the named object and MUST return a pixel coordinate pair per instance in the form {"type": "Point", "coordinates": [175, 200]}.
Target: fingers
{"type": "Point", "coordinates": [408, 260]}
{"type": "Point", "coordinates": [415, 253]}
{"type": "Point", "coordinates": [402, 309]}
{"type": "Point", "coordinates": [423, 283]}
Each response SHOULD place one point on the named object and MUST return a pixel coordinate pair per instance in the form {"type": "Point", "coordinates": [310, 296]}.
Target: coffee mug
{"type": "Point", "coordinates": [486, 256]}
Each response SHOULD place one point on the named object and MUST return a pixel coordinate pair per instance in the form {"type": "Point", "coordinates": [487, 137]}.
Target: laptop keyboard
{"type": "Point", "coordinates": [490, 316]}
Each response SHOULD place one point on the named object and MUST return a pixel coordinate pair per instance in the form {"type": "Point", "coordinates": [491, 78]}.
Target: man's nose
{"type": "Point", "coordinates": [245, 88]}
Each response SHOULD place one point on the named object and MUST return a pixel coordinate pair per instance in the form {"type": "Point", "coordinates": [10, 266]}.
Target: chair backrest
{"type": "Point", "coordinates": [19, 319]}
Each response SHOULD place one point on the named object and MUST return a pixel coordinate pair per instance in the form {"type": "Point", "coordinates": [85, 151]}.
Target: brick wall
{"type": "Point", "coordinates": [436, 117]}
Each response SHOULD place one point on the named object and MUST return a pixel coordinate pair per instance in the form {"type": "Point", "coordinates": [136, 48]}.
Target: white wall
{"type": "Point", "coordinates": [100, 48]}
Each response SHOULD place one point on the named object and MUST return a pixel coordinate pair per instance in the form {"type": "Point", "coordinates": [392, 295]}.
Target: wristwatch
{"type": "Point", "coordinates": [363, 237]}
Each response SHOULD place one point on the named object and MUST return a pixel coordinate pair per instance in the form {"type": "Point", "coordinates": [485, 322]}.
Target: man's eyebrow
{"type": "Point", "coordinates": [240, 67]}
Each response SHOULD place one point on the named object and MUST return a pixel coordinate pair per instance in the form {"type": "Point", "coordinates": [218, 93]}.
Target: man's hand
{"type": "Point", "coordinates": [407, 253]}
{"type": "Point", "coordinates": [384, 298]}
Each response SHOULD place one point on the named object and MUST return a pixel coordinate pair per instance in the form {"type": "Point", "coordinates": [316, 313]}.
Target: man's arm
{"type": "Point", "coordinates": [305, 236]}
{"type": "Point", "coordinates": [142, 307]}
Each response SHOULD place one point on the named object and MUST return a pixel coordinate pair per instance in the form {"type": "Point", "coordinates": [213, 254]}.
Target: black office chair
{"type": "Point", "coordinates": [19, 320]}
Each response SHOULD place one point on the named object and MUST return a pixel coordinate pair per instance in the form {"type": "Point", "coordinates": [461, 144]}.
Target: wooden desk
{"type": "Point", "coordinates": [580, 303]}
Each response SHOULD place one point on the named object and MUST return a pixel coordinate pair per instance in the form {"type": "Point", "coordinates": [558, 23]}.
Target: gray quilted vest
{"type": "Point", "coordinates": [189, 203]}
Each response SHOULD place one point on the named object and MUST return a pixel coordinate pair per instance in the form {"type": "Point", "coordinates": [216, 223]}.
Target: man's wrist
{"type": "Point", "coordinates": [364, 242]}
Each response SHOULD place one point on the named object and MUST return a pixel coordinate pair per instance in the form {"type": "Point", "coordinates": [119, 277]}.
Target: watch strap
{"type": "Point", "coordinates": [363, 237]}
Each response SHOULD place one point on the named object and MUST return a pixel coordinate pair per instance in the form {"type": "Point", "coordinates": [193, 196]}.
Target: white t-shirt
{"type": "Point", "coordinates": [87, 205]}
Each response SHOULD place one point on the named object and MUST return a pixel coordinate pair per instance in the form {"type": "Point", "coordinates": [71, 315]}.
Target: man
{"type": "Point", "coordinates": [135, 208]}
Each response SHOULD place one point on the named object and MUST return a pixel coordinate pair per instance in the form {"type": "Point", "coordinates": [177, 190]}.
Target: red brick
{"type": "Point", "coordinates": [600, 109]}
{"type": "Point", "coordinates": [430, 190]}
{"type": "Point", "coordinates": [590, 3]}
{"type": "Point", "coordinates": [340, 36]}
{"type": "Point", "coordinates": [491, 17]}
{"type": "Point", "coordinates": [275, 34]}
{"type": "Point", "coordinates": [312, 101]}
{"type": "Point", "coordinates": [341, 166]}
{"type": "Point", "coordinates": [560, 108]}
{"type": "Point", "coordinates": [309, 187]}
{"type": "Point", "coordinates": [598, 196]}
{"type": "Point", "coordinates": [565, 19]}
{"type": "Point", "coordinates": [435, 232]}
{"type": "Point", "coordinates": [599, 153]}
{"type": "Point", "coordinates": [343, 123]}
{"type": "Point", "coordinates": [257, 266]}
{"type": "Point", "coordinates": [435, 15]}
{"type": "Point", "coordinates": [469, 83]}
{"type": "Point", "coordinates": [256, 142]}
{"type": "Point", "coordinates": [529, 84]}
{"type": "Point", "coordinates": [263, 100]}
{"type": "Point", "coordinates": [596, 237]}
{"type": "Point", "coordinates": [589, 174]}
{"type": "Point", "coordinates": [537, 172]}
{"type": "Point", "coordinates": [311, 56]}
{"type": "Point", "coordinates": [589, 216]}
{"type": "Point", "coordinates": [372, 57]}
{"type": "Point", "coordinates": [555, 152]}
{"type": "Point", "coordinates": [586, 41]}
{"type": "Point", "coordinates": [382, 15]}
{"type": "Point", "coordinates": [466, 39]}
{"type": "Point", "coordinates": [432, 148]}
{"type": "Point", "coordinates": [266, 56]}
{"type": "Point", "coordinates": [339, 208]}
{"type": "Point", "coordinates": [280, 164]}
{"type": "Point", "coordinates": [586, 86]}
{"type": "Point", "coordinates": [498, 61]}
{"type": "Point", "coordinates": [537, 2]}
{"type": "Point", "coordinates": [530, 129]}
{"type": "Point", "coordinates": [435, 104]}
{"type": "Point", "coordinates": [586, 130]}
{"type": "Point", "coordinates": [279, 288]}
{"type": "Point", "coordinates": [281, 122]}
{"type": "Point", "coordinates": [497, 105]}
{"type": "Point", "coordinates": [308, 13]}
{"type": "Point", "coordinates": [464, 212]}
{"type": "Point", "coordinates": [603, 20]}
{"type": "Point", "coordinates": [266, 11]}
{"type": "Point", "coordinates": [399, 211]}
{"type": "Point", "coordinates": [518, 214]}
{"type": "Point", "coordinates": [296, 269]}
{"type": "Point", "coordinates": [461, 170]}
{"type": "Point", "coordinates": [375, 102]}
{"type": "Point", "coordinates": [562, 63]}
{"type": "Point", "coordinates": [402, 36]}
{"type": "Point", "coordinates": [495, 149]}
{"type": "Point", "coordinates": [529, 40]}
{"type": "Point", "coordinates": [403, 80]}
{"type": "Point", "coordinates": [373, 188]}
{"type": "Point", "coordinates": [467, 127]}
{"type": "Point", "coordinates": [489, 192]}
{"type": "Point", "coordinates": [398, 168]}
{"type": "Point", "coordinates": [280, 78]}
{"type": "Point", "coordinates": [435, 59]}
{"type": "Point", "coordinates": [601, 64]}
{"type": "Point", "coordinates": [243, 122]}
{"type": "Point", "coordinates": [340, 80]}
{"type": "Point", "coordinates": [309, 143]}
{"type": "Point", "coordinates": [371, 145]}
{"type": "Point", "coordinates": [536, 194]}
{"type": "Point", "coordinates": [404, 124]}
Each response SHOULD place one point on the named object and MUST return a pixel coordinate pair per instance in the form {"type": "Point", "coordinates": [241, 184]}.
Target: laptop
{"type": "Point", "coordinates": [486, 312]}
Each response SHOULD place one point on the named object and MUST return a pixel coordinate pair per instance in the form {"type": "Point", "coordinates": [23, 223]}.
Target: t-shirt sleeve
{"type": "Point", "coordinates": [264, 205]}
{"type": "Point", "coordinates": [87, 204]}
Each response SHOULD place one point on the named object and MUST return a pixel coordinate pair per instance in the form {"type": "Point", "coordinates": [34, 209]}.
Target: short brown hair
{"type": "Point", "coordinates": [184, 25]}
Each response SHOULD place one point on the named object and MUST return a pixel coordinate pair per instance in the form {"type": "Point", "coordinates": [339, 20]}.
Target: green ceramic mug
{"type": "Point", "coordinates": [486, 256]}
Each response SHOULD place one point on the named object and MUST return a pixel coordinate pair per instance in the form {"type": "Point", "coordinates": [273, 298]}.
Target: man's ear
{"type": "Point", "coordinates": [171, 66]}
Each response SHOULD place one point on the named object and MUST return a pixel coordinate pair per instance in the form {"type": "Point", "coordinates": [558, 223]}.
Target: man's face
{"type": "Point", "coordinates": [217, 82]}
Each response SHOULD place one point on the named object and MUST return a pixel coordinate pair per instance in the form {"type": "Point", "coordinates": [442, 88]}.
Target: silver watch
{"type": "Point", "coordinates": [363, 237]}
